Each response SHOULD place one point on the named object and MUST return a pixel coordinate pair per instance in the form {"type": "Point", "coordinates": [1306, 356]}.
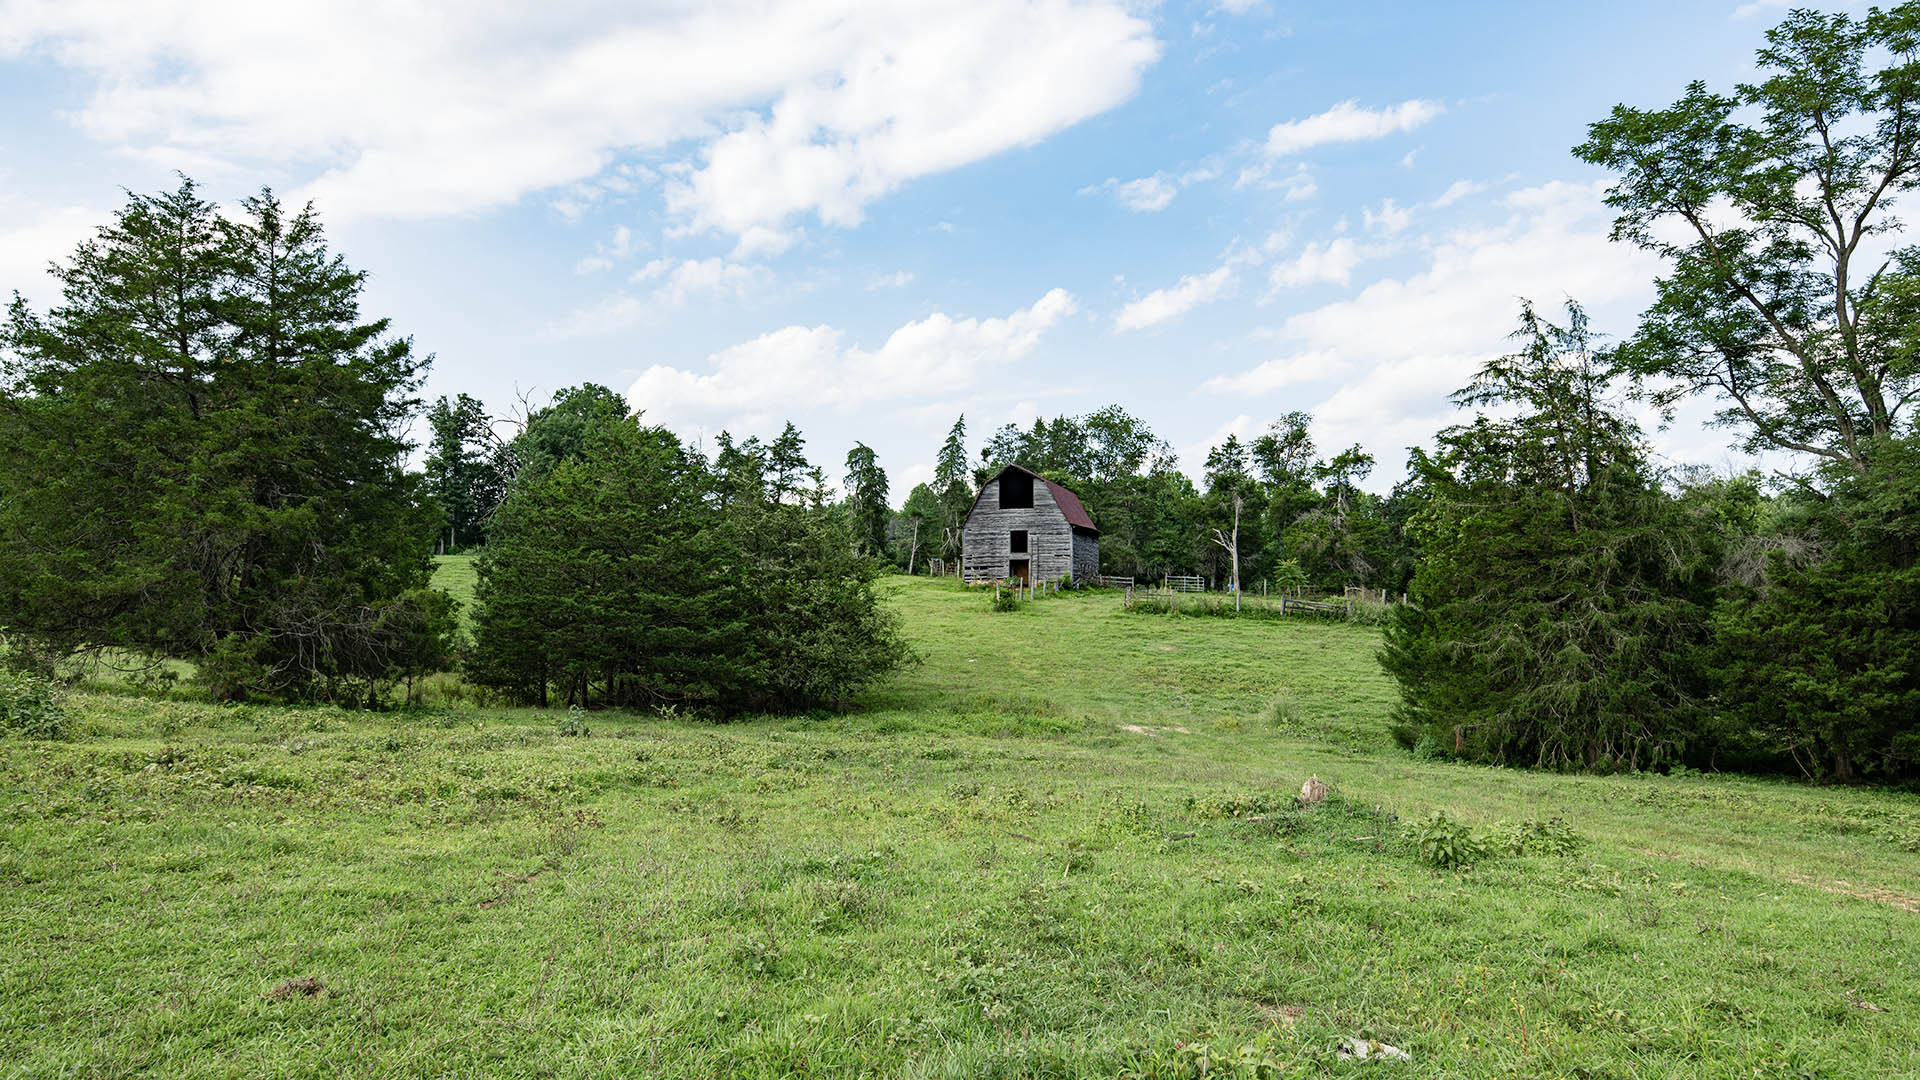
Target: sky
{"type": "Point", "coordinates": [869, 218]}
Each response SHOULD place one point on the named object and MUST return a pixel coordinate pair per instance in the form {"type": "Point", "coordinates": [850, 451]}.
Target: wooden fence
{"type": "Point", "coordinates": [1112, 581]}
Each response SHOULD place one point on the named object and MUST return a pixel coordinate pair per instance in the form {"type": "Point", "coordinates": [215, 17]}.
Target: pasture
{"type": "Point", "coordinates": [1063, 845]}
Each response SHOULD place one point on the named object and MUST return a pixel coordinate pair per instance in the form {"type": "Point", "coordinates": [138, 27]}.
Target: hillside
{"type": "Point", "coordinates": [1062, 845]}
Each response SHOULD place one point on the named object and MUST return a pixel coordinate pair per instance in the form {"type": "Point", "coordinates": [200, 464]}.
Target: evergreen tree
{"type": "Point", "coordinates": [1560, 610]}
{"type": "Point", "coordinates": [867, 500]}
{"type": "Point", "coordinates": [632, 573]}
{"type": "Point", "coordinates": [950, 480]}
{"type": "Point", "coordinates": [200, 454]}
{"type": "Point", "coordinates": [463, 469]}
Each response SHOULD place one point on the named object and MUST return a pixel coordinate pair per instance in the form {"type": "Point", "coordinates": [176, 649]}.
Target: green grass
{"type": "Point", "coordinates": [1063, 845]}
{"type": "Point", "coordinates": [455, 575]}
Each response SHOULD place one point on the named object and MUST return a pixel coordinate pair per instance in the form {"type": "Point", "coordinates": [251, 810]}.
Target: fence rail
{"type": "Point", "coordinates": [1186, 583]}
{"type": "Point", "coordinates": [1112, 581]}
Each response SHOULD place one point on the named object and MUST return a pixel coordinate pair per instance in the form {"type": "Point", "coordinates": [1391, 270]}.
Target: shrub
{"type": "Point", "coordinates": [30, 706]}
{"type": "Point", "coordinates": [1535, 837]}
{"type": "Point", "coordinates": [1448, 844]}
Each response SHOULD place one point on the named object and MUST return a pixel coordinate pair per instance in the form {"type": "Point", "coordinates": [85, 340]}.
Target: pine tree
{"type": "Point", "coordinates": [867, 500]}
{"type": "Point", "coordinates": [200, 453]}
{"type": "Point", "coordinates": [1560, 611]}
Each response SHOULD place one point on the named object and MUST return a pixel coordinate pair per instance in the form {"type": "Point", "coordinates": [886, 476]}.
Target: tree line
{"type": "Point", "coordinates": [204, 452]}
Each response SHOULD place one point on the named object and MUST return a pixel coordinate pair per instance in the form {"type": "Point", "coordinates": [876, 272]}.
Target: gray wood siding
{"type": "Point", "coordinates": [1086, 555]}
{"type": "Point", "coordinates": [1055, 549]}
{"type": "Point", "coordinates": [984, 539]}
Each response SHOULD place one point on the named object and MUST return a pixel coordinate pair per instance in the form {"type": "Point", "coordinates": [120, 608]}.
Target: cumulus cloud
{"type": "Point", "coordinates": [1401, 345]}
{"type": "Point", "coordinates": [32, 237]}
{"type": "Point", "coordinates": [1331, 261]}
{"type": "Point", "coordinates": [675, 283]}
{"type": "Point", "coordinates": [1161, 305]}
{"type": "Point", "coordinates": [767, 111]}
{"type": "Point", "coordinates": [803, 367]}
{"type": "Point", "coordinates": [1348, 121]}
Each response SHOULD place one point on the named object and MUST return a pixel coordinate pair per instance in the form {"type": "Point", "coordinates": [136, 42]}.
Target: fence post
{"type": "Point", "coordinates": [1283, 603]}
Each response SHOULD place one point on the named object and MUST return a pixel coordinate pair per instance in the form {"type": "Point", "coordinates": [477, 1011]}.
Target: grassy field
{"type": "Point", "coordinates": [1064, 845]}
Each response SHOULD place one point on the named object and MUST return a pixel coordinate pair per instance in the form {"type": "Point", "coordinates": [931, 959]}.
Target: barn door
{"type": "Point", "coordinates": [1020, 570]}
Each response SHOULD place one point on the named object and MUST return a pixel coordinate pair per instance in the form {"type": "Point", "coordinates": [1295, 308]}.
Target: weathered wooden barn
{"type": "Point", "coordinates": [1026, 527]}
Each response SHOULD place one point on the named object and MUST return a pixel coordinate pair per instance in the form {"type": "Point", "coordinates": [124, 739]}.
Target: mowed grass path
{"type": "Point", "coordinates": [1061, 846]}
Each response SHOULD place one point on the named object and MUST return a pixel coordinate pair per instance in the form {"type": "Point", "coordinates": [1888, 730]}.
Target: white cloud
{"type": "Point", "coordinates": [760, 240]}
{"type": "Point", "coordinates": [1332, 261]}
{"type": "Point", "coordinates": [1458, 190]}
{"type": "Point", "coordinates": [1391, 219]}
{"type": "Point", "coordinates": [800, 367]}
{"type": "Point", "coordinates": [33, 237]}
{"type": "Point", "coordinates": [1748, 11]}
{"type": "Point", "coordinates": [696, 277]}
{"type": "Point", "coordinates": [680, 282]}
{"type": "Point", "coordinates": [1148, 193]}
{"type": "Point", "coordinates": [1161, 305]}
{"type": "Point", "coordinates": [899, 279]}
{"type": "Point", "coordinates": [1415, 339]}
{"type": "Point", "coordinates": [1349, 122]}
{"type": "Point", "coordinates": [770, 111]}
{"type": "Point", "coordinates": [620, 247]}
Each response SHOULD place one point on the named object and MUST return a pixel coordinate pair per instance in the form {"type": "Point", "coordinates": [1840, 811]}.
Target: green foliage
{"type": "Point", "coordinates": [1820, 663]}
{"type": "Point", "coordinates": [634, 574]}
{"type": "Point", "coordinates": [465, 474]}
{"type": "Point", "coordinates": [1759, 200]}
{"type": "Point", "coordinates": [1442, 842]}
{"type": "Point", "coordinates": [561, 430]}
{"type": "Point", "coordinates": [1533, 836]}
{"type": "Point", "coordinates": [867, 500]}
{"type": "Point", "coordinates": [30, 706]}
{"type": "Point", "coordinates": [1562, 598]}
{"type": "Point", "coordinates": [1782, 303]}
{"type": "Point", "coordinates": [200, 450]}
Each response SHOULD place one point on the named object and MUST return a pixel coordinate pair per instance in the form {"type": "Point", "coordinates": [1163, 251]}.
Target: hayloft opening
{"type": "Point", "coordinates": [1016, 491]}
{"type": "Point", "coordinates": [1017, 542]}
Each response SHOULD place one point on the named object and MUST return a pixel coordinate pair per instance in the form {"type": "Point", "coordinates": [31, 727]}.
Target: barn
{"type": "Point", "coordinates": [1026, 527]}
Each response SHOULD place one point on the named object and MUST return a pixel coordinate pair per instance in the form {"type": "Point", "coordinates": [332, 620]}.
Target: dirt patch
{"type": "Point", "coordinates": [1154, 732]}
{"type": "Point", "coordinates": [1869, 893]}
{"type": "Point", "coordinates": [1866, 892]}
{"type": "Point", "coordinates": [508, 886]}
{"type": "Point", "coordinates": [1285, 1015]}
{"type": "Point", "coordinates": [304, 986]}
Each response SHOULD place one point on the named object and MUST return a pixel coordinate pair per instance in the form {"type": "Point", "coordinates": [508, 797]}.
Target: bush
{"type": "Point", "coordinates": [1534, 837]}
{"type": "Point", "coordinates": [30, 706]}
{"type": "Point", "coordinates": [1448, 844]}
{"type": "Point", "coordinates": [639, 575]}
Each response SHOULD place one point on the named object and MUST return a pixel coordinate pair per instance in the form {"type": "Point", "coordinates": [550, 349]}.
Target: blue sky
{"type": "Point", "coordinates": [868, 218]}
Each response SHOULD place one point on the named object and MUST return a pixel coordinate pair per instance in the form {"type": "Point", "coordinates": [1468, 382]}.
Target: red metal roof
{"type": "Point", "coordinates": [1067, 501]}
